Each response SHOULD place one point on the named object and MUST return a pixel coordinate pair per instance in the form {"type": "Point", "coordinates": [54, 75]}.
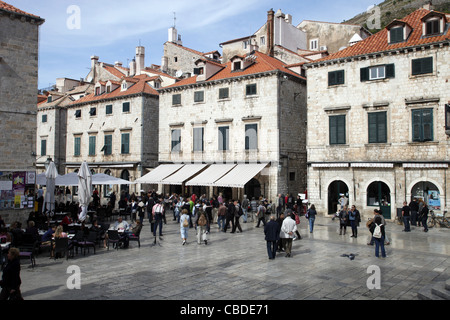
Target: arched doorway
{"type": "Point", "coordinates": [379, 195]}
{"type": "Point", "coordinates": [252, 189]}
{"type": "Point", "coordinates": [427, 192]}
{"type": "Point", "coordinates": [335, 190]}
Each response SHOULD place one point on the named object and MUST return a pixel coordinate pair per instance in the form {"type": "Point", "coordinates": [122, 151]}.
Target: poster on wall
{"type": "Point", "coordinates": [17, 189]}
{"type": "Point", "coordinates": [434, 201]}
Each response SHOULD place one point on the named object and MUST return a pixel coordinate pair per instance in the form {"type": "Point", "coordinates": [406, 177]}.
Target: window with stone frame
{"type": "Point", "coordinates": [107, 148]}
{"type": "Point", "coordinates": [126, 107]}
{"type": "Point", "coordinates": [125, 143]}
{"type": "Point", "coordinates": [92, 143]}
{"type": "Point", "coordinates": [422, 66]}
{"type": "Point", "coordinates": [377, 72]}
{"type": "Point", "coordinates": [77, 146]}
{"type": "Point", "coordinates": [377, 127]}
{"type": "Point", "coordinates": [336, 77]}
{"type": "Point", "coordinates": [447, 119]}
{"type": "Point", "coordinates": [199, 96]}
{"type": "Point", "coordinates": [176, 140]}
{"type": "Point", "coordinates": [198, 134]}
{"type": "Point", "coordinates": [396, 34]}
{"type": "Point", "coordinates": [422, 125]}
{"type": "Point", "coordinates": [43, 147]}
{"type": "Point", "coordinates": [251, 136]}
{"type": "Point", "coordinates": [337, 132]}
{"type": "Point", "coordinates": [224, 93]}
{"type": "Point", "coordinates": [250, 89]}
{"type": "Point", "coordinates": [224, 137]}
{"type": "Point", "coordinates": [176, 99]}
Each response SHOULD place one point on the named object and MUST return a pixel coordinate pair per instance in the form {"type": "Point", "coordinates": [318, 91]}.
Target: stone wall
{"type": "Point", "coordinates": [18, 97]}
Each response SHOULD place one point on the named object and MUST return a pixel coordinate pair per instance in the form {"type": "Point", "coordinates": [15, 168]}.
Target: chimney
{"type": "Point", "coordinates": [94, 61]}
{"type": "Point", "coordinates": [132, 67]}
{"type": "Point", "coordinates": [428, 5]}
{"type": "Point", "coordinates": [164, 63]}
{"type": "Point", "coordinates": [140, 59]}
{"type": "Point", "coordinates": [117, 64]}
{"type": "Point", "coordinates": [270, 32]}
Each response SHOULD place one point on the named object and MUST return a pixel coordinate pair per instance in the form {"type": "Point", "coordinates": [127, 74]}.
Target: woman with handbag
{"type": "Point", "coordinates": [184, 225]}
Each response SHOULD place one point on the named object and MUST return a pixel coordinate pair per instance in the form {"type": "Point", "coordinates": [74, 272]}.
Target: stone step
{"type": "Point", "coordinates": [435, 291]}
{"type": "Point", "coordinates": [426, 294]}
{"type": "Point", "coordinates": [447, 284]}
{"type": "Point", "coordinates": [441, 291]}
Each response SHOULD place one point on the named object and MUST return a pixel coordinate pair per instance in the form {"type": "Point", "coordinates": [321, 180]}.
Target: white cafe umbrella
{"type": "Point", "coordinates": [84, 189]}
{"type": "Point", "coordinates": [50, 176]}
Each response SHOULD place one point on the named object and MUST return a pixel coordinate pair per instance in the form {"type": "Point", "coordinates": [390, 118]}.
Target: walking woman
{"type": "Point", "coordinates": [11, 281]}
{"type": "Point", "coordinates": [378, 237]}
{"type": "Point", "coordinates": [311, 216]}
{"type": "Point", "coordinates": [184, 225]}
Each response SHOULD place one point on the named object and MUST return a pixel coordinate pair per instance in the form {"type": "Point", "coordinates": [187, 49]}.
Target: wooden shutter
{"type": "Point", "coordinates": [176, 140]}
{"type": "Point", "coordinates": [364, 74]}
{"type": "Point", "coordinates": [125, 148]}
{"type": "Point", "coordinates": [223, 138]}
{"type": "Point", "coordinates": [377, 127]}
{"type": "Point", "coordinates": [337, 129]}
{"type": "Point", "coordinates": [390, 70]}
{"type": "Point", "coordinates": [198, 139]}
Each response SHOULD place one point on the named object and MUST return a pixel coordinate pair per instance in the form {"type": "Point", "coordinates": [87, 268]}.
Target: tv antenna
{"type": "Point", "coordinates": [174, 20]}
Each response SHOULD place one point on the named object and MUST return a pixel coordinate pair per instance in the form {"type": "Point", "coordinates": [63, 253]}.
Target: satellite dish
{"type": "Point", "coordinates": [179, 73]}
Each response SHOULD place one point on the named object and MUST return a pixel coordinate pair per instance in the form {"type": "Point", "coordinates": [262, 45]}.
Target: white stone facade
{"type": "Point", "coordinates": [400, 163]}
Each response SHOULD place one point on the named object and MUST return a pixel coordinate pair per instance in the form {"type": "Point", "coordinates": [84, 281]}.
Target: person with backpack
{"type": "Point", "coordinates": [184, 225]}
{"type": "Point", "coordinates": [311, 216]}
{"type": "Point", "coordinates": [260, 215]}
{"type": "Point", "coordinates": [237, 216]}
{"type": "Point", "coordinates": [202, 223]}
{"type": "Point", "coordinates": [378, 234]}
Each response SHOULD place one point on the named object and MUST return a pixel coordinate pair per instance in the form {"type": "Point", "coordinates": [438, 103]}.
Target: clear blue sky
{"type": "Point", "coordinates": [112, 29]}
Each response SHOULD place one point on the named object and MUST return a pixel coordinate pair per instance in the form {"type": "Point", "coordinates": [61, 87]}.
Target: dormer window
{"type": "Point", "coordinates": [97, 91]}
{"type": "Point", "coordinates": [124, 86]}
{"type": "Point", "coordinates": [396, 35]}
{"type": "Point", "coordinates": [199, 71]}
{"type": "Point", "coordinates": [433, 23]}
{"type": "Point", "coordinates": [237, 65]}
{"type": "Point", "coordinates": [108, 89]}
{"type": "Point", "coordinates": [398, 31]}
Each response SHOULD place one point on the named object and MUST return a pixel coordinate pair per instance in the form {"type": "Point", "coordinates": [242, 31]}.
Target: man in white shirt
{"type": "Point", "coordinates": [288, 229]}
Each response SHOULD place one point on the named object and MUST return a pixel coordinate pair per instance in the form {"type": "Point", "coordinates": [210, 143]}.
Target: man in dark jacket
{"type": "Point", "coordinates": [230, 216]}
{"type": "Point", "coordinates": [272, 232]}
{"type": "Point", "coordinates": [11, 282]}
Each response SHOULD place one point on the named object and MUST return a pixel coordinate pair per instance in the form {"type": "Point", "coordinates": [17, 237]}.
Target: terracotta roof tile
{"type": "Point", "coordinates": [263, 63]}
{"type": "Point", "coordinates": [140, 86]}
{"type": "Point", "coordinates": [7, 7]}
{"type": "Point", "coordinates": [379, 41]}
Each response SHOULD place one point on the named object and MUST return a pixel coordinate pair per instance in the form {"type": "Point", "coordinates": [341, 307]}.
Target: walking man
{"type": "Point", "coordinates": [406, 216]}
{"type": "Point", "coordinates": [272, 233]}
{"type": "Point", "coordinates": [288, 229]}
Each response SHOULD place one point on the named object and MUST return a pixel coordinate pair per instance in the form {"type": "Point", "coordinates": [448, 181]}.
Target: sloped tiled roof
{"type": "Point", "coordinates": [379, 41]}
{"type": "Point", "coordinates": [139, 87]}
{"type": "Point", "coordinates": [263, 63]}
{"type": "Point", "coordinates": [9, 8]}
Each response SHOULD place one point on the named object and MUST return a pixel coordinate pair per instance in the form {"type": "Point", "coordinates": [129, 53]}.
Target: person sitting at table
{"type": "Point", "coordinates": [66, 220]}
{"type": "Point", "coordinates": [48, 235]}
{"type": "Point", "coordinates": [59, 233]}
{"type": "Point", "coordinates": [32, 230]}
{"type": "Point", "coordinates": [5, 236]}
{"type": "Point", "coordinates": [101, 234]}
{"type": "Point", "coordinates": [122, 226]}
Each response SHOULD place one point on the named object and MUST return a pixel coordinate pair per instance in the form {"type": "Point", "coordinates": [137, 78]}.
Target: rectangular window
{"type": "Point", "coordinates": [396, 35]}
{"type": "Point", "coordinates": [126, 107]}
{"type": "Point", "coordinates": [447, 118]}
{"type": "Point", "coordinates": [262, 41]}
{"type": "Point", "coordinates": [337, 129]}
{"type": "Point", "coordinates": [313, 44]}
{"type": "Point", "coordinates": [198, 139]}
{"type": "Point", "coordinates": [377, 127]}
{"type": "Point", "coordinates": [109, 109]}
{"type": "Point", "coordinates": [93, 111]}
{"type": "Point", "coordinates": [77, 146]}
{"type": "Point", "coordinates": [44, 118]}
{"type": "Point", "coordinates": [176, 140]}
{"type": "Point", "coordinates": [251, 136]}
{"type": "Point", "coordinates": [43, 147]}
{"type": "Point", "coordinates": [92, 143]}
{"type": "Point", "coordinates": [422, 125]}
{"type": "Point", "coordinates": [78, 114]}
{"type": "Point", "coordinates": [224, 93]}
{"type": "Point", "coordinates": [107, 148]}
{"type": "Point", "coordinates": [176, 99]}
{"type": "Point", "coordinates": [432, 27]}
{"type": "Point", "coordinates": [422, 66]}
{"type": "Point", "coordinates": [336, 78]}
{"type": "Point", "coordinates": [199, 96]}
{"type": "Point", "coordinates": [224, 134]}
{"type": "Point", "coordinates": [125, 146]}
{"type": "Point", "coordinates": [378, 72]}
{"type": "Point", "coordinates": [250, 89]}
{"type": "Point", "coordinates": [237, 65]}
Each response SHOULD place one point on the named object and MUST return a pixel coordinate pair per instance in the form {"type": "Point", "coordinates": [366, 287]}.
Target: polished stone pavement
{"type": "Point", "coordinates": [236, 267]}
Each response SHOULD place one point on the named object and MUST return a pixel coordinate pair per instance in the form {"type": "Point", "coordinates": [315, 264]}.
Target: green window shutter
{"type": "Point", "coordinates": [422, 66]}
{"type": "Point", "coordinates": [43, 147]}
{"type": "Point", "coordinates": [422, 125]}
{"type": "Point", "coordinates": [199, 96]}
{"type": "Point", "coordinates": [125, 147]}
{"type": "Point", "coordinates": [224, 93]}
{"type": "Point", "coordinates": [427, 124]}
{"type": "Point", "coordinates": [77, 146]}
{"type": "Point", "coordinates": [337, 129]}
{"type": "Point", "coordinates": [364, 74]}
{"type": "Point", "coordinates": [109, 109]}
{"type": "Point", "coordinates": [92, 142]}
{"type": "Point", "coordinates": [176, 99]}
{"type": "Point", "coordinates": [250, 89]}
{"type": "Point", "coordinates": [390, 70]}
{"type": "Point", "coordinates": [377, 127]}
{"type": "Point", "coordinates": [396, 34]}
{"type": "Point", "coordinates": [126, 107]}
{"type": "Point", "coordinates": [336, 77]}
{"type": "Point", "coordinates": [108, 145]}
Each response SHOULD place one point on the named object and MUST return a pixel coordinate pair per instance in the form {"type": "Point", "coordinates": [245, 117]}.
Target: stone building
{"type": "Point", "coordinates": [239, 128]}
{"type": "Point", "coordinates": [19, 51]}
{"type": "Point", "coordinates": [376, 119]}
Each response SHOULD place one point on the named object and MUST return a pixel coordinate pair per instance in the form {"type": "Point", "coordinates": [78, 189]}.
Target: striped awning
{"type": "Point", "coordinates": [213, 173]}
{"type": "Point", "coordinates": [330, 165]}
{"type": "Point", "coordinates": [426, 165]}
{"type": "Point", "coordinates": [184, 174]}
{"type": "Point", "coordinates": [157, 175]}
{"type": "Point", "coordinates": [240, 175]}
{"type": "Point", "coordinates": [372, 165]}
